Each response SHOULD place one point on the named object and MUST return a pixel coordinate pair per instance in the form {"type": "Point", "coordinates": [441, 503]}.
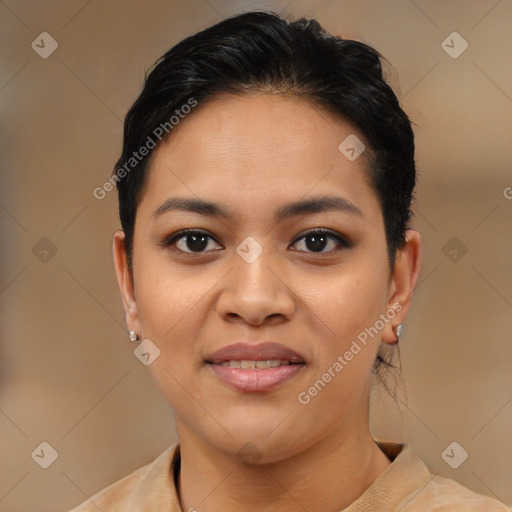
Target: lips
{"type": "Point", "coordinates": [249, 352]}
{"type": "Point", "coordinates": [255, 368]}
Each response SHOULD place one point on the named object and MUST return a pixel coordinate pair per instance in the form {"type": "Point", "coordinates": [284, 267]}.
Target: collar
{"type": "Point", "coordinates": [403, 477]}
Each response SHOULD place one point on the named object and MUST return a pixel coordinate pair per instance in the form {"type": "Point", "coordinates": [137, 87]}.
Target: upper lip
{"type": "Point", "coordinates": [255, 352]}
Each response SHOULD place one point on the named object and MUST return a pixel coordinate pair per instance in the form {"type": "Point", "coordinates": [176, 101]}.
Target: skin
{"type": "Point", "coordinates": [252, 154]}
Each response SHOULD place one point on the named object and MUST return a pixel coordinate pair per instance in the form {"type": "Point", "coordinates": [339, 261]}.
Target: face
{"type": "Point", "coordinates": [310, 278]}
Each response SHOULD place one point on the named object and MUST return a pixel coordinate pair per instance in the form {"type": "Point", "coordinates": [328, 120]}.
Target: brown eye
{"type": "Point", "coordinates": [189, 241]}
{"type": "Point", "coordinates": [318, 239]}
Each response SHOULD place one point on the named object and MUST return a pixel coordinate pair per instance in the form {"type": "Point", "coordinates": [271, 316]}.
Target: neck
{"type": "Point", "coordinates": [329, 475]}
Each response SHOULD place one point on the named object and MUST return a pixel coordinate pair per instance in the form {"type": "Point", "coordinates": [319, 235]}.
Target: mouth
{"type": "Point", "coordinates": [261, 367]}
{"type": "Point", "coordinates": [246, 364]}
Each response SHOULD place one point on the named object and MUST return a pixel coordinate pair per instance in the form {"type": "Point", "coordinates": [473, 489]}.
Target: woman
{"type": "Point", "coordinates": [266, 265]}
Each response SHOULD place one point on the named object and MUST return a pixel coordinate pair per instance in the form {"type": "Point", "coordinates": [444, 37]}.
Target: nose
{"type": "Point", "coordinates": [256, 293]}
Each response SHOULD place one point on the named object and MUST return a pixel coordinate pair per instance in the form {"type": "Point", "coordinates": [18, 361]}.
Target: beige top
{"type": "Point", "coordinates": [406, 485]}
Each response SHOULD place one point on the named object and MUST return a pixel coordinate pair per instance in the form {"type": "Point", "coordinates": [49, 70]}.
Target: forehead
{"type": "Point", "coordinates": [272, 125]}
{"type": "Point", "coordinates": [257, 148]}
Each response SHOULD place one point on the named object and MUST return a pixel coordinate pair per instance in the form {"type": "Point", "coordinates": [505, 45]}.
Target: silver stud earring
{"type": "Point", "coordinates": [133, 336]}
{"type": "Point", "coordinates": [398, 330]}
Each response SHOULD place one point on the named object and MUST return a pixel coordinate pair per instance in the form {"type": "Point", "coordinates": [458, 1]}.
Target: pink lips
{"type": "Point", "coordinates": [255, 379]}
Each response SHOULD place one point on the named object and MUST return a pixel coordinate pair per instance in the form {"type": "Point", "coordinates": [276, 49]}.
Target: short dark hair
{"type": "Point", "coordinates": [262, 52]}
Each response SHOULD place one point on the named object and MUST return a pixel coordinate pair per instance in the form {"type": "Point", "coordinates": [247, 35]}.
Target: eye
{"type": "Point", "coordinates": [317, 239]}
{"type": "Point", "coordinates": [192, 239]}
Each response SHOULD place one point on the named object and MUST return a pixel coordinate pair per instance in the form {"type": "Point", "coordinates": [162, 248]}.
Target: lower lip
{"type": "Point", "coordinates": [256, 380]}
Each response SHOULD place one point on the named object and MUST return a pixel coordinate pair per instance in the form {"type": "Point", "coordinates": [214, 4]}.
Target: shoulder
{"type": "Point", "coordinates": [118, 494]}
{"type": "Point", "coordinates": [419, 490]}
{"type": "Point", "coordinates": [442, 494]}
{"type": "Point", "coordinates": [145, 487]}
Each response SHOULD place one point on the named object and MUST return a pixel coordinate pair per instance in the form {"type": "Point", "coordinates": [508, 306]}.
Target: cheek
{"type": "Point", "coordinates": [170, 315]}
{"type": "Point", "coordinates": [167, 297]}
{"type": "Point", "coordinates": [344, 352]}
{"type": "Point", "coordinates": [348, 306]}
{"type": "Point", "coordinates": [173, 307]}
{"type": "Point", "coordinates": [351, 302]}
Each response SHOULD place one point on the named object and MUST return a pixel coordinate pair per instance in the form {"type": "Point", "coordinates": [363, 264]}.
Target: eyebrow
{"type": "Point", "coordinates": [307, 206]}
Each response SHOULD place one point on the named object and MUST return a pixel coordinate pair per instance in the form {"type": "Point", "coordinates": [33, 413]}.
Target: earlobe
{"type": "Point", "coordinates": [125, 281]}
{"type": "Point", "coordinates": [404, 278]}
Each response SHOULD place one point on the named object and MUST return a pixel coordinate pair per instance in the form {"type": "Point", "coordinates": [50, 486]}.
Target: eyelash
{"type": "Point", "coordinates": [170, 241]}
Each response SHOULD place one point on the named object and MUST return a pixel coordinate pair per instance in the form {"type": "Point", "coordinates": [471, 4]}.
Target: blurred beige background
{"type": "Point", "coordinates": [68, 375]}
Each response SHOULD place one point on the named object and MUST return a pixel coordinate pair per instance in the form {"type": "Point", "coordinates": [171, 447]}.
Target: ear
{"type": "Point", "coordinates": [125, 282]}
{"type": "Point", "coordinates": [402, 283]}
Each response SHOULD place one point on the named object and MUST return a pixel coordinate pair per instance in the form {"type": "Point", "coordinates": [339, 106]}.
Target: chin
{"type": "Point", "coordinates": [258, 446]}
